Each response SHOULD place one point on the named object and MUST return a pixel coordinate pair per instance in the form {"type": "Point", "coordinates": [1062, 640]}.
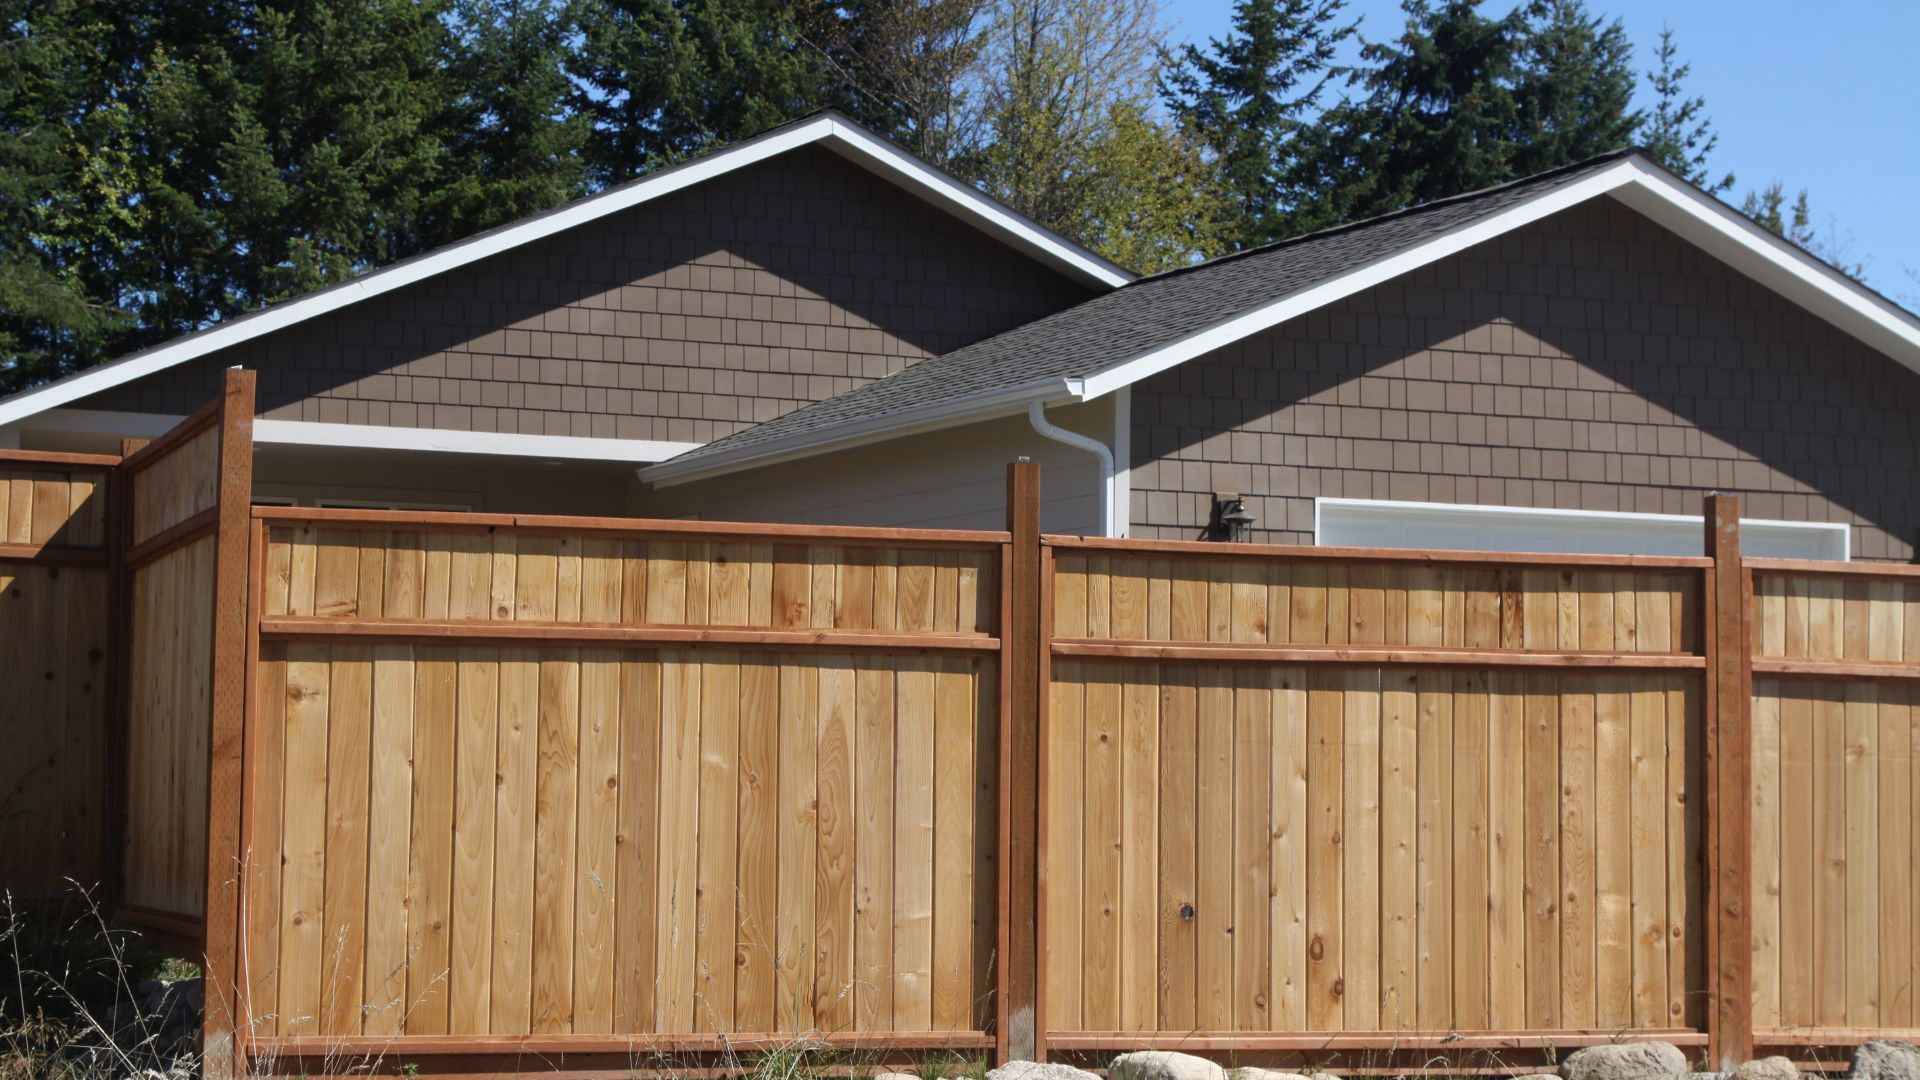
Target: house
{"type": "Point", "coordinates": [812, 326]}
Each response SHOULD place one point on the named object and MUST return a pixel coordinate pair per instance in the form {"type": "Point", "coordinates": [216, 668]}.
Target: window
{"type": "Point", "coordinates": [1451, 526]}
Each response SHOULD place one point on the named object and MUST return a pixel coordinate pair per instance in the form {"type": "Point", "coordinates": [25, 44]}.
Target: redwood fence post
{"type": "Point", "coordinates": [1016, 1007]}
{"type": "Point", "coordinates": [221, 1057]}
{"type": "Point", "coordinates": [1729, 806]}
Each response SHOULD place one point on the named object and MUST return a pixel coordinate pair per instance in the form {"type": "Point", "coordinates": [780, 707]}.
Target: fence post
{"type": "Point", "coordinates": [1729, 805]}
{"type": "Point", "coordinates": [1017, 1031]}
{"type": "Point", "coordinates": [226, 735]}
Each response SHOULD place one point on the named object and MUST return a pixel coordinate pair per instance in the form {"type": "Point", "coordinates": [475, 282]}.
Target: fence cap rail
{"type": "Point", "coordinates": [1206, 549]}
{"type": "Point", "coordinates": [1827, 568]}
{"type": "Point", "coordinates": [637, 528]}
{"type": "Point", "coordinates": [58, 459]}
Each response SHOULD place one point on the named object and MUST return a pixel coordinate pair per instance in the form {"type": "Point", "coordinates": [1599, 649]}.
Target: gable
{"type": "Point", "coordinates": [1594, 360]}
{"type": "Point", "coordinates": [680, 320]}
{"type": "Point", "coordinates": [1022, 255]}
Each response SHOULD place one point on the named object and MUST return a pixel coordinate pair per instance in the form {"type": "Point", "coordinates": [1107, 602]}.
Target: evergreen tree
{"type": "Point", "coordinates": [66, 191]}
{"type": "Point", "coordinates": [1575, 88]}
{"type": "Point", "coordinates": [1794, 223]}
{"type": "Point", "coordinates": [1677, 132]}
{"type": "Point", "coordinates": [661, 80]}
{"type": "Point", "coordinates": [513, 140]}
{"type": "Point", "coordinates": [1440, 116]}
{"type": "Point", "coordinates": [1245, 99]}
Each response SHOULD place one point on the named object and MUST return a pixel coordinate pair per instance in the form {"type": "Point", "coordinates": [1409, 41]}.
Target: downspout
{"type": "Point", "coordinates": [1037, 415]}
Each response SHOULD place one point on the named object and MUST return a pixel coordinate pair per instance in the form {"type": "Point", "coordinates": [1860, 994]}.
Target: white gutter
{"type": "Point", "coordinates": [1037, 414]}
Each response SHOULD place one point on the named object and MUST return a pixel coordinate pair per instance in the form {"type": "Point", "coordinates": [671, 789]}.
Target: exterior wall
{"type": "Point", "coordinates": [1591, 361]}
{"type": "Point", "coordinates": [455, 481]}
{"type": "Point", "coordinates": [684, 319]}
{"type": "Point", "coordinates": [951, 479]}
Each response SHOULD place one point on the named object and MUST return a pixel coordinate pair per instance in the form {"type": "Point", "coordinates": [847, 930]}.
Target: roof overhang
{"type": "Point", "coordinates": [1636, 182]}
{"type": "Point", "coordinates": [830, 131]}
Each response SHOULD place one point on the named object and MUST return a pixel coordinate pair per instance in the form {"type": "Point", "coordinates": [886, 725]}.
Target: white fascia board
{"type": "Point", "coordinates": [1378, 272]}
{"type": "Point", "coordinates": [874, 153]}
{"type": "Point", "coordinates": [1774, 262]}
{"type": "Point", "coordinates": [860, 145]}
{"type": "Point", "coordinates": [444, 441]}
{"type": "Point", "coordinates": [372, 437]}
{"type": "Point", "coordinates": [874, 429]}
{"type": "Point", "coordinates": [1386, 523]}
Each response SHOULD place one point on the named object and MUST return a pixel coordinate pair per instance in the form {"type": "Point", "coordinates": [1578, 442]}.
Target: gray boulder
{"type": "Point", "coordinates": [1163, 1065]}
{"type": "Point", "coordinates": [1270, 1074]}
{"type": "Point", "coordinates": [1627, 1061]}
{"type": "Point", "coordinates": [1034, 1070]}
{"type": "Point", "coordinates": [1886, 1060]}
{"type": "Point", "coordinates": [1768, 1068]}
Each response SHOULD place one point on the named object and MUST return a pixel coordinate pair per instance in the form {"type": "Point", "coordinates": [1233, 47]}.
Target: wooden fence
{"type": "Point", "coordinates": [488, 793]}
{"type": "Point", "coordinates": [1836, 814]}
{"type": "Point", "coordinates": [595, 788]}
{"type": "Point", "coordinates": [1311, 799]}
{"type": "Point", "coordinates": [54, 620]}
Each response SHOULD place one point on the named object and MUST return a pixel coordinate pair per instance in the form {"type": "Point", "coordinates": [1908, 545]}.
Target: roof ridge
{"type": "Point", "coordinates": [1393, 215]}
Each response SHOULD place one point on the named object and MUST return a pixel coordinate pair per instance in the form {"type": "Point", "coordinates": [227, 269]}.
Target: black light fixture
{"type": "Point", "coordinates": [1230, 522]}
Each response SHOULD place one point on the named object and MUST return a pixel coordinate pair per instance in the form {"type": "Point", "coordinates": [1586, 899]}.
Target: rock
{"type": "Point", "coordinates": [1270, 1074]}
{"type": "Point", "coordinates": [1627, 1061]}
{"type": "Point", "coordinates": [1033, 1070]}
{"type": "Point", "coordinates": [1886, 1060]}
{"type": "Point", "coordinates": [896, 1076]}
{"type": "Point", "coordinates": [1163, 1065]}
{"type": "Point", "coordinates": [1770, 1068]}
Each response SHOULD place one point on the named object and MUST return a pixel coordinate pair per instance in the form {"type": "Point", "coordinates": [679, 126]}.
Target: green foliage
{"type": "Point", "coordinates": [1794, 223]}
{"type": "Point", "coordinates": [1677, 132]}
{"type": "Point", "coordinates": [1247, 99]}
{"type": "Point", "coordinates": [1576, 100]}
{"type": "Point", "coordinates": [661, 80]}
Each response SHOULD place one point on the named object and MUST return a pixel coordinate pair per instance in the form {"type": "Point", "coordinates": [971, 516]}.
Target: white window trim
{"type": "Point", "coordinates": [1391, 524]}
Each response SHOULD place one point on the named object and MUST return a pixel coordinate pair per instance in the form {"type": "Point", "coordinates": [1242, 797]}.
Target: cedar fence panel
{"type": "Point", "coordinates": [1303, 800]}
{"type": "Point", "coordinates": [1836, 724]}
{"type": "Point", "coordinates": [54, 630]}
{"type": "Point", "coordinates": [545, 785]}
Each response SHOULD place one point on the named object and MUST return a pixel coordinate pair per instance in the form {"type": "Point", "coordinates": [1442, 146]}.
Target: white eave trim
{"type": "Point", "coordinates": [845, 138]}
{"type": "Point", "coordinates": [375, 437]}
{"type": "Point", "coordinates": [445, 441]}
{"type": "Point", "coordinates": [805, 444]}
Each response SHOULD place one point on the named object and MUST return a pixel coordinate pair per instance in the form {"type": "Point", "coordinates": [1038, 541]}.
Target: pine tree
{"type": "Point", "coordinates": [66, 191]}
{"type": "Point", "coordinates": [1440, 116]}
{"type": "Point", "coordinates": [513, 141]}
{"type": "Point", "coordinates": [1677, 132]}
{"type": "Point", "coordinates": [1575, 87]}
{"type": "Point", "coordinates": [1769, 208]}
{"type": "Point", "coordinates": [1246, 99]}
{"type": "Point", "coordinates": [661, 80]}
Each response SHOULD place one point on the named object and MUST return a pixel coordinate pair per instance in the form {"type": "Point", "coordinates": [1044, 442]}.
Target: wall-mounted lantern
{"type": "Point", "coordinates": [1230, 522]}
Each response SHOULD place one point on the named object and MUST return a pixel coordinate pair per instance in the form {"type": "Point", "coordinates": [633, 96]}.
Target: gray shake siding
{"type": "Point", "coordinates": [683, 319]}
{"type": "Point", "coordinates": [1590, 361]}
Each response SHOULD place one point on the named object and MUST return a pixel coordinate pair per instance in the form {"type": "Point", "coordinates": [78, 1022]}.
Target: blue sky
{"type": "Point", "coordinates": [1824, 96]}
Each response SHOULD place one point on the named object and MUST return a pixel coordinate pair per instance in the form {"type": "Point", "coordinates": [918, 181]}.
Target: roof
{"type": "Point", "coordinates": [826, 128]}
{"type": "Point", "coordinates": [1119, 337]}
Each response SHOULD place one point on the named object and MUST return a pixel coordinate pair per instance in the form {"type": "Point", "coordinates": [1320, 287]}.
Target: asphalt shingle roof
{"type": "Point", "coordinates": [1150, 312]}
